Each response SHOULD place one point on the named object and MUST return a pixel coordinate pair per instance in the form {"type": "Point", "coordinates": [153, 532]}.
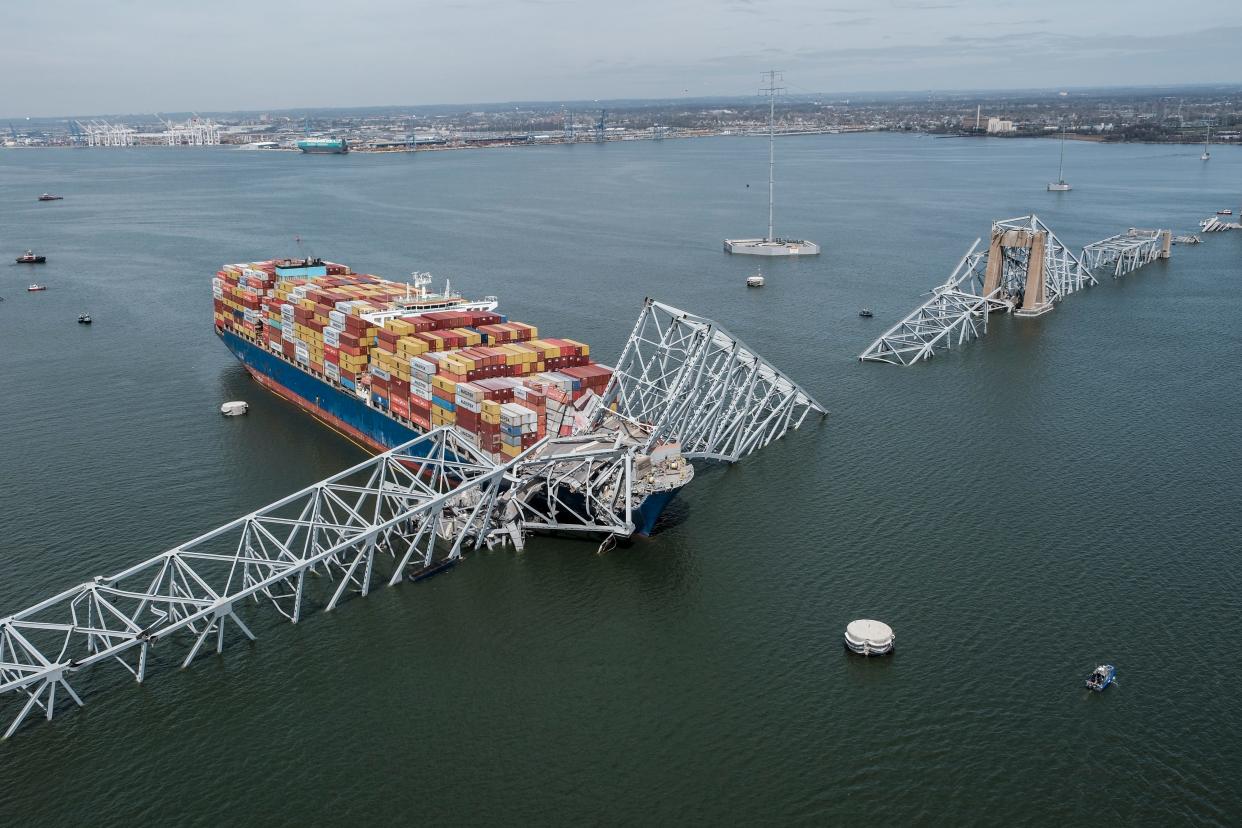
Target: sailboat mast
{"type": "Point", "coordinates": [1061, 166]}
{"type": "Point", "coordinates": [771, 152]}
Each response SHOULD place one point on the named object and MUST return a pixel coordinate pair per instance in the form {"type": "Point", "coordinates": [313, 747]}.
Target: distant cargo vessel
{"type": "Point", "coordinates": [326, 146]}
{"type": "Point", "coordinates": [384, 362]}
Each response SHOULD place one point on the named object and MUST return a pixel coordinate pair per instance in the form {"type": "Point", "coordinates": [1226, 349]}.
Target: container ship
{"type": "Point", "coordinates": [330, 146]}
{"type": "Point", "coordinates": [384, 362]}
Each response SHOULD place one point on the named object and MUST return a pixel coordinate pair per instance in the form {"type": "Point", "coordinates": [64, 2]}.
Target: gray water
{"type": "Point", "coordinates": [1062, 493]}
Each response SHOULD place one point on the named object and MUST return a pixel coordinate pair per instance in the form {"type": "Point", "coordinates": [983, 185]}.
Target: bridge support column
{"type": "Point", "coordinates": [1035, 301]}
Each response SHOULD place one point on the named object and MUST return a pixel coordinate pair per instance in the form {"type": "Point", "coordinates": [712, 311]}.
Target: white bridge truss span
{"type": "Point", "coordinates": [1127, 252]}
{"type": "Point", "coordinates": [406, 510]}
{"type": "Point", "coordinates": [1032, 265]}
{"type": "Point", "coordinates": [694, 383]}
{"type": "Point", "coordinates": [1025, 269]}
{"type": "Point", "coordinates": [956, 313]}
{"type": "Point", "coordinates": [410, 511]}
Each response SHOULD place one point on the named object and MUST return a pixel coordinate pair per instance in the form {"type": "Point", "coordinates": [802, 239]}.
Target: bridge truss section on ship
{"type": "Point", "coordinates": [1127, 252]}
{"type": "Point", "coordinates": [405, 511]}
{"type": "Point", "coordinates": [692, 382]}
{"type": "Point", "coordinates": [409, 512]}
{"type": "Point", "coordinates": [956, 313]}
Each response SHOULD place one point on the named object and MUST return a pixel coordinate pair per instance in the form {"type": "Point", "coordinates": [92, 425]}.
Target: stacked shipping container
{"type": "Point", "coordinates": [494, 380]}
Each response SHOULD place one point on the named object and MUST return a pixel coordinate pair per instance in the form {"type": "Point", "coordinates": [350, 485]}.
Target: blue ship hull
{"type": "Point", "coordinates": [349, 416]}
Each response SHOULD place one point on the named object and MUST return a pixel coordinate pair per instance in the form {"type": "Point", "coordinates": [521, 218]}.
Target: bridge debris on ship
{"type": "Point", "coordinates": [684, 389]}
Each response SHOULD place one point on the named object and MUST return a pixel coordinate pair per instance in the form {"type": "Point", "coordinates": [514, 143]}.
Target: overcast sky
{"type": "Point", "coordinates": [68, 57]}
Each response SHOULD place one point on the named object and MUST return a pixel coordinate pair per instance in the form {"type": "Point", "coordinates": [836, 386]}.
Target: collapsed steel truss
{"type": "Point", "coordinates": [1025, 266]}
{"type": "Point", "coordinates": [573, 484]}
{"type": "Point", "coordinates": [435, 493]}
{"type": "Point", "coordinates": [696, 384]}
{"type": "Point", "coordinates": [956, 313]}
{"type": "Point", "coordinates": [1126, 252]}
{"type": "Point", "coordinates": [412, 510]}
{"type": "Point", "coordinates": [1032, 265]}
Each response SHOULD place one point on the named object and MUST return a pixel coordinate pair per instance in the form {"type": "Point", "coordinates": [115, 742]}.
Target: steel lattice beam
{"type": "Point", "coordinates": [1014, 240]}
{"type": "Point", "coordinates": [956, 313]}
{"type": "Point", "coordinates": [696, 384]}
{"type": "Point", "coordinates": [395, 507]}
{"type": "Point", "coordinates": [1125, 252]}
{"type": "Point", "coordinates": [413, 507]}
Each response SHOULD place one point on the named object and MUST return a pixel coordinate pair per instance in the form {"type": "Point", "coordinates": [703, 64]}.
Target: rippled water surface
{"type": "Point", "coordinates": [1063, 493]}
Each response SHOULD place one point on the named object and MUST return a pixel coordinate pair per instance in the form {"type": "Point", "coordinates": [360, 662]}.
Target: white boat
{"type": "Point", "coordinates": [1060, 186]}
{"type": "Point", "coordinates": [755, 281]}
{"type": "Point", "coordinates": [235, 408]}
{"type": "Point", "coordinates": [1207, 143]}
{"type": "Point", "coordinates": [771, 245]}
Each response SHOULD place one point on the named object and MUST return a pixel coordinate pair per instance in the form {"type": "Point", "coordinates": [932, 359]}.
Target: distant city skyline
{"type": "Point", "coordinates": [79, 58]}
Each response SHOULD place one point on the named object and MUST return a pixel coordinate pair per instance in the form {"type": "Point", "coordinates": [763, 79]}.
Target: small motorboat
{"type": "Point", "coordinates": [30, 257]}
{"type": "Point", "coordinates": [1101, 677]}
{"type": "Point", "coordinates": [1224, 212]}
{"type": "Point", "coordinates": [84, 319]}
{"type": "Point", "coordinates": [35, 287]}
{"type": "Point", "coordinates": [235, 408]}
{"type": "Point", "coordinates": [754, 281]}
{"type": "Point", "coordinates": [866, 313]}
{"type": "Point", "coordinates": [50, 197]}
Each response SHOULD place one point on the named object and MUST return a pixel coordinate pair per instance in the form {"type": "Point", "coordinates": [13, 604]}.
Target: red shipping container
{"type": "Point", "coordinates": [400, 406]}
{"type": "Point", "coordinates": [331, 354]}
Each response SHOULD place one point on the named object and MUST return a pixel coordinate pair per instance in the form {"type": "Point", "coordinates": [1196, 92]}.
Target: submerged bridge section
{"type": "Point", "coordinates": [956, 313]}
{"type": "Point", "coordinates": [388, 512]}
{"type": "Point", "coordinates": [1127, 252]}
{"type": "Point", "coordinates": [685, 388]}
{"type": "Point", "coordinates": [1026, 269]}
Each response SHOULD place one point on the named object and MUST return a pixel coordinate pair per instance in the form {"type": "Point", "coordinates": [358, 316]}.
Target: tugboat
{"type": "Point", "coordinates": [866, 313]}
{"type": "Point", "coordinates": [50, 197]}
{"type": "Point", "coordinates": [35, 287]}
{"type": "Point", "coordinates": [84, 319]}
{"type": "Point", "coordinates": [29, 257]}
{"type": "Point", "coordinates": [1103, 676]}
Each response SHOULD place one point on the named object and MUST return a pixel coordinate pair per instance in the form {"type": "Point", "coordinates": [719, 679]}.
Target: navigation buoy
{"type": "Point", "coordinates": [235, 408]}
{"type": "Point", "coordinates": [867, 637]}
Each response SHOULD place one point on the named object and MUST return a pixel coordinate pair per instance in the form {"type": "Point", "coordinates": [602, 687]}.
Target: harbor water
{"type": "Point", "coordinates": [1061, 494]}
